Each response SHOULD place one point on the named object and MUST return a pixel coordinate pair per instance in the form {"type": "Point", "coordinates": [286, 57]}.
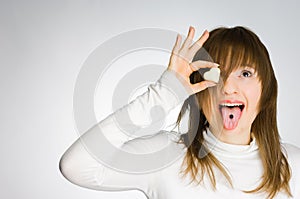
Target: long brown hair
{"type": "Point", "coordinates": [235, 47]}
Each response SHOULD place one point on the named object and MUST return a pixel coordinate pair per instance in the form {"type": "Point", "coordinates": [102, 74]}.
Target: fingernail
{"type": "Point", "coordinates": [216, 64]}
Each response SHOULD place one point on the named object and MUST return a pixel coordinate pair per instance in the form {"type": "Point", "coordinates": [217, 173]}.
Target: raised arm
{"type": "Point", "coordinates": [102, 157]}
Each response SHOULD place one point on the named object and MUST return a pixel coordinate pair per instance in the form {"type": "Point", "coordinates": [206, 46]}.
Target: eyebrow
{"type": "Point", "coordinates": [248, 67]}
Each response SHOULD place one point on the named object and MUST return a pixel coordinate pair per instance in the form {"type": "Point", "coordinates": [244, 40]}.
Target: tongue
{"type": "Point", "coordinates": [231, 117]}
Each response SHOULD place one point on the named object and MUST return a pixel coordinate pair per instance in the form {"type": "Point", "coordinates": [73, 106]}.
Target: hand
{"type": "Point", "coordinates": [183, 54]}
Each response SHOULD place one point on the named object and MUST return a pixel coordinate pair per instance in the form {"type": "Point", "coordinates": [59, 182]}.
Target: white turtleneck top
{"type": "Point", "coordinates": [124, 152]}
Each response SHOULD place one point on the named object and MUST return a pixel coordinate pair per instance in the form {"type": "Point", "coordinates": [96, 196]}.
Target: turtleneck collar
{"type": "Point", "coordinates": [221, 149]}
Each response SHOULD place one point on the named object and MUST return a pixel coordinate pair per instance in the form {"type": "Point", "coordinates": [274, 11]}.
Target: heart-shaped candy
{"type": "Point", "coordinates": [213, 75]}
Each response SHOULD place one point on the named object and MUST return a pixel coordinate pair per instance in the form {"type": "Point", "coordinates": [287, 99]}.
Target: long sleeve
{"type": "Point", "coordinates": [122, 151]}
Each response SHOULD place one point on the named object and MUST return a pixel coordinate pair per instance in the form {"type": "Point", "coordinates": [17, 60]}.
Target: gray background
{"type": "Point", "coordinates": [43, 44]}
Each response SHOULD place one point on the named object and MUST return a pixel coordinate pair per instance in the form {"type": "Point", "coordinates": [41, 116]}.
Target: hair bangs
{"type": "Point", "coordinates": [233, 49]}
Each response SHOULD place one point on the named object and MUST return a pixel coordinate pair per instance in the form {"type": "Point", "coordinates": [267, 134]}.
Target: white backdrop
{"type": "Point", "coordinates": [43, 45]}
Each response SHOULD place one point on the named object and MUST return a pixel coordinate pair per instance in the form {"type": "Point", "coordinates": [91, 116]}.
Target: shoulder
{"type": "Point", "coordinates": [292, 154]}
{"type": "Point", "coordinates": [291, 149]}
{"type": "Point", "coordinates": [153, 143]}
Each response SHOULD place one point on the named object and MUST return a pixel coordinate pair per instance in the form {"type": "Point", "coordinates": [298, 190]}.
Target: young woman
{"type": "Point", "coordinates": [231, 147]}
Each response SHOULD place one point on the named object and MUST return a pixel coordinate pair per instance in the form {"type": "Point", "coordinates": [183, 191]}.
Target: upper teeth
{"type": "Point", "coordinates": [233, 104]}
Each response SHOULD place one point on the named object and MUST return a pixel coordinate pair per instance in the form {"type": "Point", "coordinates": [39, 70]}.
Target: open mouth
{"type": "Point", "coordinates": [229, 105]}
{"type": "Point", "coordinates": [231, 114]}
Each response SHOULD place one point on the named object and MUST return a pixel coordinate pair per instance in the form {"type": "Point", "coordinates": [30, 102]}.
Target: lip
{"type": "Point", "coordinates": [232, 103]}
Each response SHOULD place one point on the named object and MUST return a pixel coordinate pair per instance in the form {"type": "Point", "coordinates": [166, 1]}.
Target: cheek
{"type": "Point", "coordinates": [254, 96]}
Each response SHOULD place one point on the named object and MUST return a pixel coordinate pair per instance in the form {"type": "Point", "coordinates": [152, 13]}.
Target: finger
{"type": "Point", "coordinates": [177, 44]}
{"type": "Point", "coordinates": [196, 65]}
{"type": "Point", "coordinates": [199, 43]}
{"type": "Point", "coordinates": [202, 86]}
{"type": "Point", "coordinates": [189, 38]}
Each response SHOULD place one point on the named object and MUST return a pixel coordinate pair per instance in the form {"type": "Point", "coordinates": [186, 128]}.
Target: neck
{"type": "Point", "coordinates": [236, 137]}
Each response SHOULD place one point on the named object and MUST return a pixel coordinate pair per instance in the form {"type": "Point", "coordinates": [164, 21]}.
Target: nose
{"type": "Point", "coordinates": [230, 86]}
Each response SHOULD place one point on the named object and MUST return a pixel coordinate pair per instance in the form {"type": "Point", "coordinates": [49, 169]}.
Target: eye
{"type": "Point", "coordinates": [246, 73]}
